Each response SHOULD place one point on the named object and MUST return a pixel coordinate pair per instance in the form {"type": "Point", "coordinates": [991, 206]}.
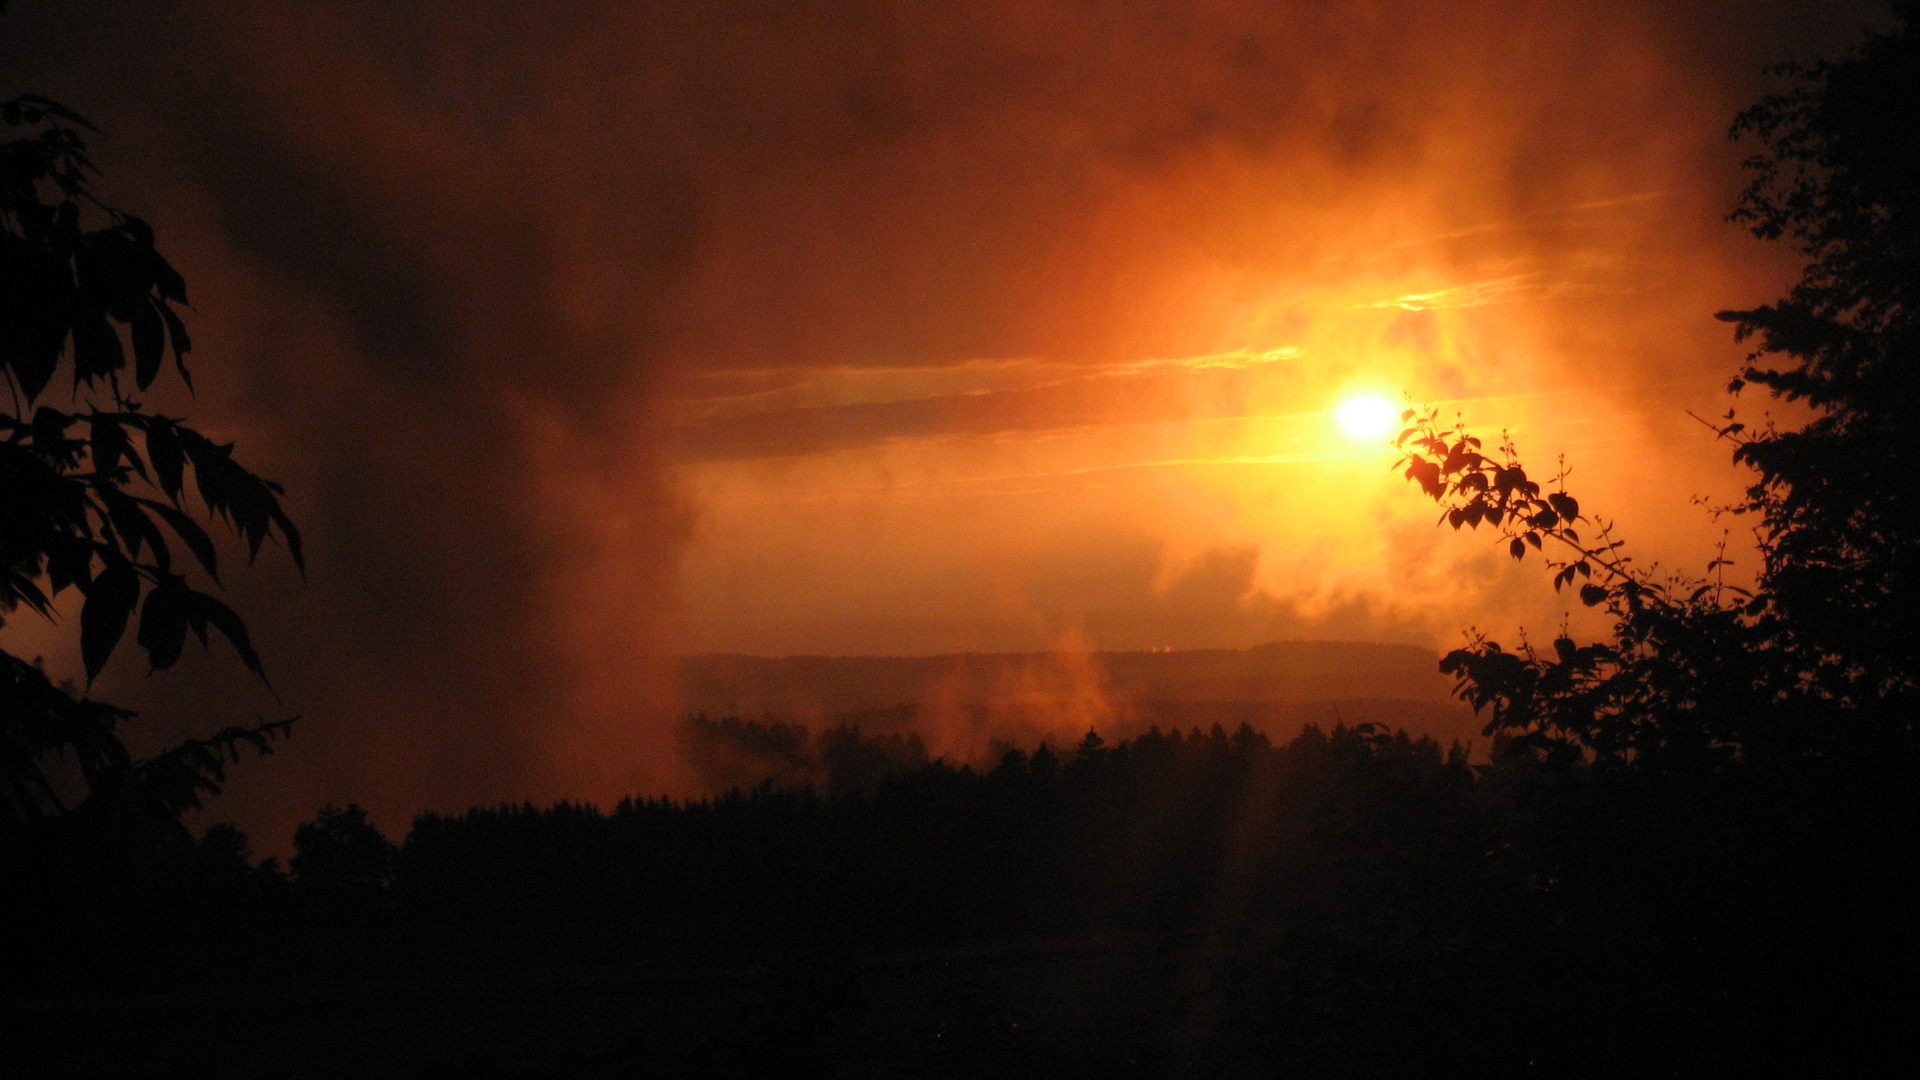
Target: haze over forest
{"type": "Point", "coordinates": [961, 705]}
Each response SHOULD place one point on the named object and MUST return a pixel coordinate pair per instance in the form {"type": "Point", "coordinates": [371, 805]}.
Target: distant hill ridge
{"type": "Point", "coordinates": [1260, 681]}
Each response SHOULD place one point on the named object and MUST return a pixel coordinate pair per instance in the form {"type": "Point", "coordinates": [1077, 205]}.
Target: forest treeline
{"type": "Point", "coordinates": [1161, 830]}
{"type": "Point", "coordinates": [1413, 911]}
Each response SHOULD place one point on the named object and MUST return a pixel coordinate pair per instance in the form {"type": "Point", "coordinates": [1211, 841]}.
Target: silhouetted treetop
{"type": "Point", "coordinates": [340, 856]}
{"type": "Point", "coordinates": [1838, 499]}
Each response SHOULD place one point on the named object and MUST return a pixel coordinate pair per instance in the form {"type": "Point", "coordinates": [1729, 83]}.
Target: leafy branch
{"type": "Point", "coordinates": [1686, 675]}
{"type": "Point", "coordinates": [98, 497]}
{"type": "Point", "coordinates": [1477, 489]}
{"type": "Point", "coordinates": [70, 291]}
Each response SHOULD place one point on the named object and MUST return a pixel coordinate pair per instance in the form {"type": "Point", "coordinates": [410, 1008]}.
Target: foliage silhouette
{"type": "Point", "coordinates": [1733, 761]}
{"type": "Point", "coordinates": [1838, 499]}
{"type": "Point", "coordinates": [1819, 657]}
{"type": "Point", "coordinates": [1690, 678]}
{"type": "Point", "coordinates": [96, 498]}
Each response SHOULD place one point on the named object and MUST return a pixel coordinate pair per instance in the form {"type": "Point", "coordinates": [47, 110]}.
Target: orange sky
{"type": "Point", "coordinates": [587, 334]}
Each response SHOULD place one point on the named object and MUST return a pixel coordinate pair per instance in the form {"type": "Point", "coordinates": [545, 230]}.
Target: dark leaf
{"type": "Point", "coordinates": [291, 534]}
{"type": "Point", "coordinates": [210, 474]}
{"type": "Point", "coordinates": [133, 525]}
{"type": "Point", "coordinates": [103, 618]}
{"type": "Point", "coordinates": [190, 532]}
{"type": "Point", "coordinates": [168, 282]}
{"type": "Point", "coordinates": [169, 460]}
{"type": "Point", "coordinates": [37, 107]}
{"type": "Point", "coordinates": [108, 443]}
{"type": "Point", "coordinates": [35, 299]}
{"type": "Point", "coordinates": [69, 561]}
{"type": "Point", "coordinates": [50, 429]}
{"type": "Point", "coordinates": [96, 348]}
{"type": "Point", "coordinates": [183, 343]}
{"type": "Point", "coordinates": [1427, 474]}
{"type": "Point", "coordinates": [163, 624]}
{"type": "Point", "coordinates": [149, 343]}
{"type": "Point", "coordinates": [33, 357]}
{"type": "Point", "coordinates": [17, 587]}
{"type": "Point", "coordinates": [229, 624]}
{"type": "Point", "coordinates": [1592, 594]}
{"type": "Point", "coordinates": [138, 230]}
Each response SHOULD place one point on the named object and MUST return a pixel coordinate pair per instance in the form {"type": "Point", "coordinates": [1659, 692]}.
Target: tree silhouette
{"type": "Point", "coordinates": [1838, 499]}
{"type": "Point", "coordinates": [341, 858]}
{"type": "Point", "coordinates": [1723, 790]}
{"type": "Point", "coordinates": [96, 497]}
{"type": "Point", "coordinates": [1820, 657]}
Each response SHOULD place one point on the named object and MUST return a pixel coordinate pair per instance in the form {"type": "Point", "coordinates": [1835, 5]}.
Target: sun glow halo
{"type": "Point", "coordinates": [1367, 416]}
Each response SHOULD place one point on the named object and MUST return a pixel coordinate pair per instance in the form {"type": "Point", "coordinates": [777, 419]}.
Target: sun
{"type": "Point", "coordinates": [1367, 416]}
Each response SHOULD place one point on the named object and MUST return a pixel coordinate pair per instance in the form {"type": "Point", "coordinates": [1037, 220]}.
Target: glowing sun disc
{"type": "Point", "coordinates": [1368, 416]}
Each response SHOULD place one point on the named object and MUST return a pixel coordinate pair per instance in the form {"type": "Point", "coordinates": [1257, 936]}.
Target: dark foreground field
{"type": "Point", "coordinates": [603, 1001]}
{"type": "Point", "coordinates": [1352, 903]}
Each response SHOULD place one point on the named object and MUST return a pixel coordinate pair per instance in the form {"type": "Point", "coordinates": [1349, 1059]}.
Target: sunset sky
{"type": "Point", "coordinates": [584, 335]}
